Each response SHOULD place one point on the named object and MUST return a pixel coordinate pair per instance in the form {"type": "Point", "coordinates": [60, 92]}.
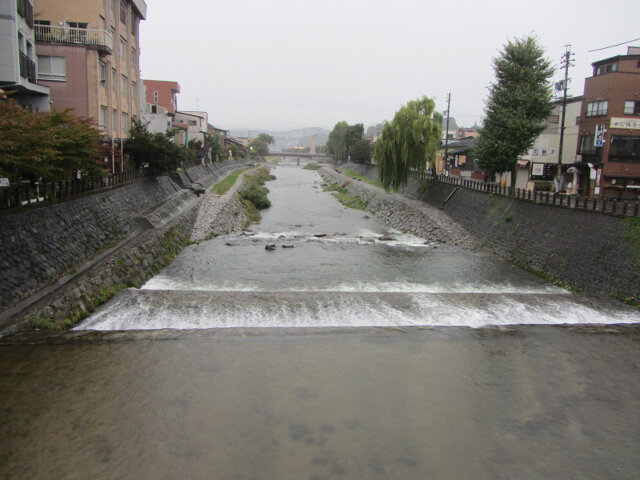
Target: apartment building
{"type": "Point", "coordinates": [88, 56]}
{"type": "Point", "coordinates": [609, 131]}
{"type": "Point", "coordinates": [18, 70]}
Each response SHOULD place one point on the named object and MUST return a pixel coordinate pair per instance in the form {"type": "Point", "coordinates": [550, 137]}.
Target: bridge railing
{"type": "Point", "coordinates": [618, 207]}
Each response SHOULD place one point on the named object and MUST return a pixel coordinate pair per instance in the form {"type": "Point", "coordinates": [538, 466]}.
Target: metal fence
{"type": "Point", "coordinates": [34, 193]}
{"type": "Point", "coordinates": [619, 207]}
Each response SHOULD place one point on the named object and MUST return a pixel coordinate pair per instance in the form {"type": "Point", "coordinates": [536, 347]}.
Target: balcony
{"type": "Point", "coordinates": [27, 68]}
{"type": "Point", "coordinates": [25, 10]}
{"type": "Point", "coordinates": [99, 39]}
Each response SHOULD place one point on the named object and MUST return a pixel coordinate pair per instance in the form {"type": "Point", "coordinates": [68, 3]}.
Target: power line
{"type": "Point", "coordinates": [611, 46]}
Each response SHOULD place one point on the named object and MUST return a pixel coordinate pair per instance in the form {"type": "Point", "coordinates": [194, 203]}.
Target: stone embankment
{"type": "Point", "coordinates": [219, 214]}
{"type": "Point", "coordinates": [404, 214]}
{"type": "Point", "coordinates": [580, 249]}
{"type": "Point", "coordinates": [59, 261]}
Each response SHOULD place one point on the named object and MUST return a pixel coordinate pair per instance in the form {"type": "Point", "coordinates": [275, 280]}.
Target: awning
{"type": "Point", "coordinates": [523, 163]}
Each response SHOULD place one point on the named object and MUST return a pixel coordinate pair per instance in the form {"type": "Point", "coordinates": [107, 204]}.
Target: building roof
{"type": "Point", "coordinates": [141, 7]}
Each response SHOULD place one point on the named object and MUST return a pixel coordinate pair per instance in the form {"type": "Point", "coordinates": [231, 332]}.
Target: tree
{"type": "Point", "coordinates": [49, 145]}
{"type": "Point", "coordinates": [341, 138]}
{"type": "Point", "coordinates": [259, 147]}
{"type": "Point", "coordinates": [266, 138]}
{"type": "Point", "coordinates": [360, 152]}
{"type": "Point", "coordinates": [518, 103]}
{"type": "Point", "coordinates": [408, 143]}
{"type": "Point", "coordinates": [156, 149]}
{"type": "Point", "coordinates": [212, 146]}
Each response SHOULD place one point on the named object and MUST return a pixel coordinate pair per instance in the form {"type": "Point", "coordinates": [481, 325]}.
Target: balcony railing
{"type": "Point", "coordinates": [25, 10]}
{"type": "Point", "coordinates": [100, 39]}
{"type": "Point", "coordinates": [27, 68]}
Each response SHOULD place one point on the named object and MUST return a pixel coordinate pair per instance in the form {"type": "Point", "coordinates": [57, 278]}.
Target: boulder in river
{"type": "Point", "coordinates": [320, 235]}
{"type": "Point", "coordinates": [386, 238]}
{"type": "Point", "coordinates": [287, 246]}
{"type": "Point", "coordinates": [270, 246]}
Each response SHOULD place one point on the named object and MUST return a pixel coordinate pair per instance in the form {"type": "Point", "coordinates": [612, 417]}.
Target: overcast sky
{"type": "Point", "coordinates": [284, 64]}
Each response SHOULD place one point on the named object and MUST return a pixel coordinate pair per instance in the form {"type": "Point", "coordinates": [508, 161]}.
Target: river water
{"type": "Point", "coordinates": [188, 378]}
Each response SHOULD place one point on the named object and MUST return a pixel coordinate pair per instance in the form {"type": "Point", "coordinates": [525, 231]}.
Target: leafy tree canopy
{"type": "Point", "coordinates": [341, 138]}
{"type": "Point", "coordinates": [360, 152]}
{"type": "Point", "coordinates": [259, 147]}
{"type": "Point", "coordinates": [518, 103]}
{"type": "Point", "coordinates": [408, 143]}
{"type": "Point", "coordinates": [49, 145]}
{"type": "Point", "coordinates": [266, 138]}
{"type": "Point", "coordinates": [156, 149]}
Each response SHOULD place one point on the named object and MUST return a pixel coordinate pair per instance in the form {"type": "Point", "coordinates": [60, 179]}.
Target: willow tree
{"type": "Point", "coordinates": [518, 103]}
{"type": "Point", "coordinates": [408, 143]}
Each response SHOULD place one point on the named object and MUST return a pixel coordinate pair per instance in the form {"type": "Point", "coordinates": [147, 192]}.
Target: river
{"type": "Point", "coordinates": [342, 357]}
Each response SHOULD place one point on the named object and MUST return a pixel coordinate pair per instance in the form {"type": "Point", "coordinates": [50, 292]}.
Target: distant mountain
{"type": "Point", "coordinates": [300, 137]}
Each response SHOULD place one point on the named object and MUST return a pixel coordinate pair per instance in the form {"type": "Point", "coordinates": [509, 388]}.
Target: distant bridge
{"type": "Point", "coordinates": [301, 155]}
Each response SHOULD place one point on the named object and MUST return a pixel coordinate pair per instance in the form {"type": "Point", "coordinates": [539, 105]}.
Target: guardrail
{"type": "Point", "coordinates": [74, 36]}
{"type": "Point", "coordinates": [618, 207]}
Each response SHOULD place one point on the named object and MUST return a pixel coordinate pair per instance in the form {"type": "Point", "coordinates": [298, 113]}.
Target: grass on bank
{"type": "Point", "coordinates": [344, 197]}
{"type": "Point", "coordinates": [312, 166]}
{"type": "Point", "coordinates": [224, 185]}
{"type": "Point", "coordinates": [353, 174]}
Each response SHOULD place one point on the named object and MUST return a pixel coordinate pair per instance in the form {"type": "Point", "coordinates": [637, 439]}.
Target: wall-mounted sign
{"type": "Point", "coordinates": [598, 140]}
{"type": "Point", "coordinates": [537, 169]}
{"type": "Point", "coordinates": [4, 182]}
{"type": "Point", "coordinates": [629, 123]}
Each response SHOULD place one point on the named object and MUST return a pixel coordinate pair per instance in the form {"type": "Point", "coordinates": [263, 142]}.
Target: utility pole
{"type": "Point", "coordinates": [446, 136]}
{"type": "Point", "coordinates": [566, 62]}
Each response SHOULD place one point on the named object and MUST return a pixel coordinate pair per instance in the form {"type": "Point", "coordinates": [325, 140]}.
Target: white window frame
{"type": "Point", "coordinates": [52, 68]}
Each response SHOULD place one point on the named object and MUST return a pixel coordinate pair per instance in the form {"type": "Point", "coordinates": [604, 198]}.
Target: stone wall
{"type": "Point", "coordinates": [38, 246]}
{"type": "Point", "coordinates": [586, 250]}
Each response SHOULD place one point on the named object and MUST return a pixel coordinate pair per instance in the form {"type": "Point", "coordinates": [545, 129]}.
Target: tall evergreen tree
{"type": "Point", "coordinates": [341, 138]}
{"type": "Point", "coordinates": [518, 103]}
{"type": "Point", "coordinates": [408, 143]}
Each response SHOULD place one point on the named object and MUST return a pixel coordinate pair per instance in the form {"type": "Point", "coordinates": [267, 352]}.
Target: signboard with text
{"type": "Point", "coordinates": [629, 123]}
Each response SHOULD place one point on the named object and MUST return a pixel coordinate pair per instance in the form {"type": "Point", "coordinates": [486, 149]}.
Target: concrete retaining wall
{"type": "Point", "coordinates": [39, 246]}
{"type": "Point", "coordinates": [584, 249]}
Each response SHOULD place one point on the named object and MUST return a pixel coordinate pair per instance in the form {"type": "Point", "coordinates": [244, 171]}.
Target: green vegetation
{"type": "Point", "coordinates": [631, 236]}
{"type": "Point", "coordinates": [360, 152]}
{"type": "Point", "coordinates": [341, 138]}
{"type": "Point", "coordinates": [158, 150]}
{"type": "Point", "coordinates": [48, 145]}
{"type": "Point", "coordinates": [344, 197]}
{"type": "Point", "coordinates": [224, 185]}
{"type": "Point", "coordinates": [350, 173]}
{"type": "Point", "coordinates": [519, 101]}
{"type": "Point", "coordinates": [254, 196]}
{"type": "Point", "coordinates": [408, 143]}
{"type": "Point", "coordinates": [312, 166]}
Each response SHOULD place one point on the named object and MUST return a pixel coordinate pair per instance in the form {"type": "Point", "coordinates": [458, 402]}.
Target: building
{"type": "Point", "coordinates": [609, 132]}
{"type": "Point", "coordinates": [88, 56]}
{"type": "Point", "coordinates": [460, 159]}
{"type": "Point", "coordinates": [194, 123]}
{"type": "Point", "coordinates": [539, 166]}
{"type": "Point", "coordinates": [18, 66]}
{"type": "Point", "coordinates": [162, 93]}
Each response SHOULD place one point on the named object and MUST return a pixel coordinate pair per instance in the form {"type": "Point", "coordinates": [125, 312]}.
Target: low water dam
{"type": "Point", "coordinates": [345, 350]}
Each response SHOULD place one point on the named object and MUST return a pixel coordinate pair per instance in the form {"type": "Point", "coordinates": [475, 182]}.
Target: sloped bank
{"type": "Point", "coordinates": [403, 214]}
{"type": "Point", "coordinates": [61, 260]}
{"type": "Point", "coordinates": [578, 249]}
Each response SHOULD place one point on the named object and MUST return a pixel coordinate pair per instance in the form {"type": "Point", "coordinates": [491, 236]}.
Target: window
{"type": "Point", "coordinates": [123, 50]}
{"type": "Point", "coordinates": [192, 122]}
{"type": "Point", "coordinates": [587, 145]}
{"type": "Point", "coordinates": [632, 107]}
{"type": "Point", "coordinates": [601, 70]}
{"type": "Point", "coordinates": [134, 24]}
{"type": "Point", "coordinates": [132, 58]}
{"type": "Point", "coordinates": [624, 149]}
{"type": "Point", "coordinates": [553, 119]}
{"type": "Point", "coordinates": [52, 68]}
{"type": "Point", "coordinates": [113, 8]}
{"type": "Point", "coordinates": [597, 108]}
{"type": "Point", "coordinates": [77, 32]}
{"type": "Point", "coordinates": [103, 117]}
{"type": "Point", "coordinates": [43, 28]}
{"type": "Point", "coordinates": [133, 92]}
{"type": "Point", "coordinates": [114, 121]}
{"type": "Point", "coordinates": [123, 11]}
{"type": "Point", "coordinates": [125, 119]}
{"type": "Point", "coordinates": [114, 80]}
{"type": "Point", "coordinates": [102, 69]}
{"type": "Point", "coordinates": [123, 86]}
{"type": "Point", "coordinates": [535, 152]}
{"type": "Point", "coordinates": [155, 96]}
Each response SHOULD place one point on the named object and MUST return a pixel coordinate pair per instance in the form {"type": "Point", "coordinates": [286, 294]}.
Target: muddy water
{"type": "Point", "coordinates": [206, 373]}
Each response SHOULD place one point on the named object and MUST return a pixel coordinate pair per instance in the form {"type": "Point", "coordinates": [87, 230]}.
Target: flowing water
{"type": "Point", "coordinates": [337, 273]}
{"type": "Point", "coordinates": [187, 378]}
